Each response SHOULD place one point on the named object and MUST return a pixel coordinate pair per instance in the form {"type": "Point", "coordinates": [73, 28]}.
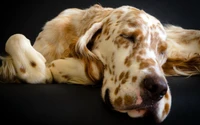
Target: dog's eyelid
{"type": "Point", "coordinates": [128, 37]}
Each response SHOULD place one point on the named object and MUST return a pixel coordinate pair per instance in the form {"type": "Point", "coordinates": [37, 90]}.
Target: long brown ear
{"type": "Point", "coordinates": [93, 66]}
{"type": "Point", "coordinates": [183, 52]}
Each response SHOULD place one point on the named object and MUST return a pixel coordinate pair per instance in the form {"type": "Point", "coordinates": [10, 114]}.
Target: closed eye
{"type": "Point", "coordinates": [130, 38]}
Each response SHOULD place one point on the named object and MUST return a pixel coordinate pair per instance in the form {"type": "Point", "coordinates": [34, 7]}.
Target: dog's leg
{"type": "Point", "coordinates": [183, 53]}
{"type": "Point", "coordinates": [69, 70]}
{"type": "Point", "coordinates": [24, 62]}
{"type": "Point", "coordinates": [83, 67]}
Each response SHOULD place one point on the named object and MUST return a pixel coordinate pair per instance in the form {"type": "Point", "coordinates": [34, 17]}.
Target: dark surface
{"type": "Point", "coordinates": [75, 104]}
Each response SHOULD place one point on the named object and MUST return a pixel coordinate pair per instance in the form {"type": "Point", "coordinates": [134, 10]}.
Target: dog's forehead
{"type": "Point", "coordinates": [129, 17]}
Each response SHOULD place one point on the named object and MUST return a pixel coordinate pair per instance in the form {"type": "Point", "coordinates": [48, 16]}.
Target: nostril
{"type": "Point", "coordinates": [150, 85]}
{"type": "Point", "coordinates": [155, 87]}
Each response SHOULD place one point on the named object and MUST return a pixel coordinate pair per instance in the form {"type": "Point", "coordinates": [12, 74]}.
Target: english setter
{"type": "Point", "coordinates": [126, 48]}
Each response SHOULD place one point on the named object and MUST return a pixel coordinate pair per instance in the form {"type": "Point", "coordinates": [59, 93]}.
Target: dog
{"type": "Point", "coordinates": [127, 49]}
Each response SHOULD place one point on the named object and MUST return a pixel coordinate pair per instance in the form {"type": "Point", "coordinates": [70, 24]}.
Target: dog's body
{"type": "Point", "coordinates": [125, 47]}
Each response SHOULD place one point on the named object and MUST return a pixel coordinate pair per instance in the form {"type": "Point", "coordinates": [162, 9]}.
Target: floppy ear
{"type": "Point", "coordinates": [93, 66]}
{"type": "Point", "coordinates": [81, 46]}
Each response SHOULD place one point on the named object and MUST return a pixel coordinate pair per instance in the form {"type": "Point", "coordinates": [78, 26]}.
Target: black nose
{"type": "Point", "coordinates": [155, 87]}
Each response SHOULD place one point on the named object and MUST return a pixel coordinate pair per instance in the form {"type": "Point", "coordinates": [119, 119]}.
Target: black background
{"type": "Point", "coordinates": [74, 104]}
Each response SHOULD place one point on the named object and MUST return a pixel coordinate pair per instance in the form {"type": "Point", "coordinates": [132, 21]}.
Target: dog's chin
{"type": "Point", "coordinates": [142, 110]}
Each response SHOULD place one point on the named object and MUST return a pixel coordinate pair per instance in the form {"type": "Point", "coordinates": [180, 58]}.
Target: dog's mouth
{"type": "Point", "coordinates": [142, 106]}
{"type": "Point", "coordinates": [141, 103]}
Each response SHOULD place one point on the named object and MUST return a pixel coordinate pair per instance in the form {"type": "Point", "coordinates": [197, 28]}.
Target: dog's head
{"type": "Point", "coordinates": [131, 45]}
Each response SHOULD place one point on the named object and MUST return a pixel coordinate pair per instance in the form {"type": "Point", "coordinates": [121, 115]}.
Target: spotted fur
{"type": "Point", "coordinates": [126, 48]}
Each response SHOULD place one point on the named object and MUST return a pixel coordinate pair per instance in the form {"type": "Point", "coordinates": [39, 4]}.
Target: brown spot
{"type": "Point", "coordinates": [127, 75]}
{"type": "Point", "coordinates": [121, 76]}
{"type": "Point", "coordinates": [108, 38]}
{"type": "Point", "coordinates": [104, 82]}
{"type": "Point", "coordinates": [139, 58]}
{"type": "Point", "coordinates": [113, 31]}
{"type": "Point", "coordinates": [167, 95]}
{"type": "Point", "coordinates": [105, 67]}
{"type": "Point", "coordinates": [53, 65]}
{"type": "Point", "coordinates": [118, 102]}
{"type": "Point", "coordinates": [166, 109]}
{"type": "Point", "coordinates": [113, 66]}
{"type": "Point", "coordinates": [112, 79]}
{"type": "Point", "coordinates": [65, 76]}
{"type": "Point", "coordinates": [134, 78]}
{"type": "Point", "coordinates": [162, 47]}
{"type": "Point", "coordinates": [22, 69]}
{"type": "Point", "coordinates": [133, 24]}
{"type": "Point", "coordinates": [117, 90]}
{"type": "Point", "coordinates": [107, 21]}
{"type": "Point", "coordinates": [33, 64]}
{"type": "Point", "coordinates": [152, 70]}
{"type": "Point", "coordinates": [127, 61]}
{"type": "Point", "coordinates": [128, 100]}
{"type": "Point", "coordinates": [123, 81]}
{"type": "Point", "coordinates": [38, 38]}
{"type": "Point", "coordinates": [142, 52]}
{"type": "Point", "coordinates": [60, 72]}
{"type": "Point", "coordinates": [146, 63]}
{"type": "Point", "coordinates": [106, 31]}
{"type": "Point", "coordinates": [126, 46]}
{"type": "Point", "coordinates": [118, 16]}
{"type": "Point", "coordinates": [138, 34]}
